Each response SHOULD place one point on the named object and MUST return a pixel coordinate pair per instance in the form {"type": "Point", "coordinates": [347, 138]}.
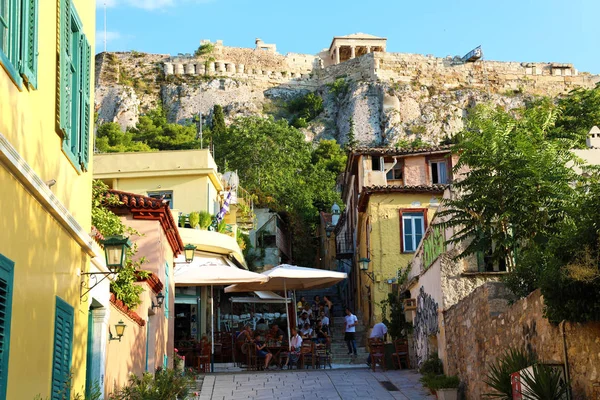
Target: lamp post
{"type": "Point", "coordinates": [189, 251]}
{"type": "Point", "coordinates": [115, 252]}
{"type": "Point", "coordinates": [364, 267]}
{"type": "Point", "coordinates": [119, 331]}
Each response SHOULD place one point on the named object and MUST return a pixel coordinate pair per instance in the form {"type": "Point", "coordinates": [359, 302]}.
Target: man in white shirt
{"type": "Point", "coordinates": [325, 321]}
{"type": "Point", "coordinates": [295, 345]}
{"type": "Point", "coordinates": [379, 331]}
{"type": "Point", "coordinates": [351, 322]}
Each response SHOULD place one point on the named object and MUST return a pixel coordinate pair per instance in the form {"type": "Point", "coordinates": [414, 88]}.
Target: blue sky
{"type": "Point", "coordinates": [508, 30]}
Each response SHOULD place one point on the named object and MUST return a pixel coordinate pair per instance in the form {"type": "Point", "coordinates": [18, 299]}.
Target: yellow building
{"type": "Point", "coordinates": [390, 197]}
{"type": "Point", "coordinates": [45, 96]}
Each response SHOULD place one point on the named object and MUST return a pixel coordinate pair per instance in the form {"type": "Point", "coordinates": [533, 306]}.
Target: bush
{"type": "Point", "coordinates": [163, 385]}
{"type": "Point", "coordinates": [194, 219]}
{"type": "Point", "coordinates": [204, 49]}
{"type": "Point", "coordinates": [306, 107]}
{"type": "Point", "coordinates": [432, 366]}
{"type": "Point", "coordinates": [498, 376]}
{"type": "Point", "coordinates": [205, 219]}
{"type": "Point", "coordinates": [437, 382]}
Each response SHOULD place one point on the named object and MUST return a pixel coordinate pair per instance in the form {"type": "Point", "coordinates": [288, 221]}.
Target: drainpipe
{"type": "Point", "coordinates": [566, 359]}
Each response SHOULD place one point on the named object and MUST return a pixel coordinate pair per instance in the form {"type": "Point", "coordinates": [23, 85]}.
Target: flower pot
{"type": "Point", "coordinates": [447, 394]}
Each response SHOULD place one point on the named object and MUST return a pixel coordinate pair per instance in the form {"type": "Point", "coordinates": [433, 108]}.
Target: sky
{"type": "Point", "coordinates": [508, 30]}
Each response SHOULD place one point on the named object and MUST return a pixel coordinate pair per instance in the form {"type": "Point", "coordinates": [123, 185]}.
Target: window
{"type": "Point", "coordinates": [376, 163]}
{"type": "Point", "coordinates": [395, 173]}
{"type": "Point", "coordinates": [413, 228]}
{"type": "Point", "coordinates": [6, 288]}
{"type": "Point", "coordinates": [75, 68]}
{"type": "Point", "coordinates": [439, 173]}
{"type": "Point", "coordinates": [485, 263]}
{"type": "Point", "coordinates": [166, 195]}
{"type": "Point", "coordinates": [18, 40]}
{"type": "Point", "coordinates": [63, 345]}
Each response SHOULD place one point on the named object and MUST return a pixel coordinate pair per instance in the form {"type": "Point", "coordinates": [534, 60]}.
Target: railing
{"type": "Point", "coordinates": [344, 243]}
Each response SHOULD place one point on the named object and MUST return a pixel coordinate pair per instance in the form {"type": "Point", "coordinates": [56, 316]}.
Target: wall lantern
{"type": "Point", "coordinates": [119, 330]}
{"type": "Point", "coordinates": [160, 298]}
{"type": "Point", "coordinates": [363, 264]}
{"type": "Point", "coordinates": [189, 251]}
{"type": "Point", "coordinates": [115, 253]}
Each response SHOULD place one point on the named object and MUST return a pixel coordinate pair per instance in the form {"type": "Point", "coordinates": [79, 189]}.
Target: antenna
{"type": "Point", "coordinates": [105, 26]}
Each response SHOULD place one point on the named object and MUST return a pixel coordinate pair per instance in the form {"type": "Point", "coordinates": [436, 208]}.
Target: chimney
{"type": "Point", "coordinates": [593, 138]}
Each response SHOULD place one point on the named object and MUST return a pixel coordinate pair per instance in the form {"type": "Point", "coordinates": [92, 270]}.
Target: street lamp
{"type": "Point", "coordinates": [114, 251]}
{"type": "Point", "coordinates": [119, 330]}
{"type": "Point", "coordinates": [189, 251]}
{"type": "Point", "coordinates": [364, 267]}
{"type": "Point", "coordinates": [160, 298]}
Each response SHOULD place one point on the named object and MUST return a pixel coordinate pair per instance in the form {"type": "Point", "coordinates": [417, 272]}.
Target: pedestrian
{"type": "Point", "coordinates": [328, 309]}
{"type": "Point", "coordinates": [378, 332]}
{"type": "Point", "coordinates": [349, 336]}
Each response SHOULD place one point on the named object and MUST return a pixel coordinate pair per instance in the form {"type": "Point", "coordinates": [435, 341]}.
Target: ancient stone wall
{"type": "Point", "coordinates": [483, 325]}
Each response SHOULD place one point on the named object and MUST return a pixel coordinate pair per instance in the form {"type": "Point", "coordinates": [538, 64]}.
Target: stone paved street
{"type": "Point", "coordinates": [319, 384]}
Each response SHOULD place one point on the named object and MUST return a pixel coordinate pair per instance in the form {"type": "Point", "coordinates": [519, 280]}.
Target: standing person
{"type": "Point", "coordinates": [316, 304]}
{"type": "Point", "coordinates": [349, 336]}
{"type": "Point", "coordinates": [379, 332]}
{"type": "Point", "coordinates": [328, 310]}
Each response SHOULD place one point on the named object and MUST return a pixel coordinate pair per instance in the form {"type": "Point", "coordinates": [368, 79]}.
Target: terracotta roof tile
{"type": "Point", "coordinates": [397, 151]}
{"type": "Point", "coordinates": [369, 190]}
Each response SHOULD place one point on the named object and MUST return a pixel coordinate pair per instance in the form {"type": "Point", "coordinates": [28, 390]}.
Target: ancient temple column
{"type": "Point", "coordinates": [168, 69]}
{"type": "Point", "coordinates": [352, 52]}
{"type": "Point", "coordinates": [178, 69]}
{"type": "Point", "coordinates": [211, 67]}
{"type": "Point", "coordinates": [220, 66]}
{"type": "Point", "coordinates": [190, 69]}
{"type": "Point", "coordinates": [337, 54]}
{"type": "Point", "coordinates": [240, 68]}
{"type": "Point", "coordinates": [368, 49]}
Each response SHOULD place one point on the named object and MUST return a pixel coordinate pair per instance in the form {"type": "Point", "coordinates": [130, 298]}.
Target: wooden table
{"type": "Point", "coordinates": [276, 351]}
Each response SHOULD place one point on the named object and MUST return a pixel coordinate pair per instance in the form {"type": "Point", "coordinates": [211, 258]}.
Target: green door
{"type": "Point", "coordinates": [62, 352]}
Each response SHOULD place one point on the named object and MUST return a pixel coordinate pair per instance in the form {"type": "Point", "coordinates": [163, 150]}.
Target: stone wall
{"type": "Point", "coordinates": [481, 326]}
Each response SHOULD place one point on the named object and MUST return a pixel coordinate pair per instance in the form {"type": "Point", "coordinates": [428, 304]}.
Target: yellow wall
{"type": "Point", "coordinates": [384, 244]}
{"type": "Point", "coordinates": [46, 257]}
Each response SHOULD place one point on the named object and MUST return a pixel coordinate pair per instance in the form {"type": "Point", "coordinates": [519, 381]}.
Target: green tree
{"type": "Point", "coordinates": [111, 139]}
{"type": "Point", "coordinates": [580, 112]}
{"type": "Point", "coordinates": [518, 187]}
{"type": "Point", "coordinates": [219, 129]}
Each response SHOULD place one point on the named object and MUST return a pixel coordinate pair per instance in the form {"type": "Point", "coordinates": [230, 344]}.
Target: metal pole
{"type": "Point", "coordinates": [287, 315]}
{"type": "Point", "coordinates": [212, 329]}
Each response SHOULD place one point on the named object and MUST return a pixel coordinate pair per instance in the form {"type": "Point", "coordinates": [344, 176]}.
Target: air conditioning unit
{"type": "Point", "coordinates": [519, 386]}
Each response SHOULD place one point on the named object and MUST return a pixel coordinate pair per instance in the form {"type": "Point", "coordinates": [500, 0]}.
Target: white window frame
{"type": "Point", "coordinates": [439, 170]}
{"type": "Point", "coordinates": [411, 215]}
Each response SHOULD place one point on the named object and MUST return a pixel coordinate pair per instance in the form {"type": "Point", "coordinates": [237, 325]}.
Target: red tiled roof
{"type": "Point", "coordinates": [125, 310]}
{"type": "Point", "coordinates": [369, 190]}
{"type": "Point", "coordinates": [397, 151]}
{"type": "Point", "coordinates": [153, 281]}
{"type": "Point", "coordinates": [143, 207]}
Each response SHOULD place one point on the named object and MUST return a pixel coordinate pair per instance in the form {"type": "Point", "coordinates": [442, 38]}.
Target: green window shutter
{"type": "Point", "coordinates": [66, 70]}
{"type": "Point", "coordinates": [29, 42]}
{"type": "Point", "coordinates": [85, 66]}
{"type": "Point", "coordinates": [166, 302]}
{"type": "Point", "coordinates": [63, 347]}
{"type": "Point", "coordinates": [6, 286]}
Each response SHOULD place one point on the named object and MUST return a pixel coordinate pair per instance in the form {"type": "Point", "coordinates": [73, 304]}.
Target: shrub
{"type": "Point", "coordinates": [432, 366]}
{"type": "Point", "coordinates": [544, 383]}
{"type": "Point", "coordinates": [204, 219]}
{"type": "Point", "coordinates": [204, 49]}
{"type": "Point", "coordinates": [163, 385]}
{"type": "Point", "coordinates": [498, 376]}
{"type": "Point", "coordinates": [437, 382]}
{"type": "Point", "coordinates": [194, 218]}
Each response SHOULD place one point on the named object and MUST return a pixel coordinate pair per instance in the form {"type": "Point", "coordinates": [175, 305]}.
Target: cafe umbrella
{"type": "Point", "coordinates": [291, 277]}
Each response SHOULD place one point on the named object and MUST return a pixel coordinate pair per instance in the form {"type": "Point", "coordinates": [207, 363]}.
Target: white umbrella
{"type": "Point", "coordinates": [214, 274]}
{"type": "Point", "coordinates": [285, 276]}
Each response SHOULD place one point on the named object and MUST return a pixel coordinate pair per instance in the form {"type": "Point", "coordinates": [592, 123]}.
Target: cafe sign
{"type": "Point", "coordinates": [434, 245]}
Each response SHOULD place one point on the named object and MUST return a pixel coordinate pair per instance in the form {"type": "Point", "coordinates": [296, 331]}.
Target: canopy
{"type": "Point", "coordinates": [218, 275]}
{"type": "Point", "coordinates": [296, 278]}
{"type": "Point", "coordinates": [258, 300]}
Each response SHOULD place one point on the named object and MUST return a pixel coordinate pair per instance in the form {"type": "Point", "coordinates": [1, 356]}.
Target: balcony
{"type": "Point", "coordinates": [213, 242]}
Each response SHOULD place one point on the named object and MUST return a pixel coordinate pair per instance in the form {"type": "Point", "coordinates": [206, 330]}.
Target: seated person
{"type": "Point", "coordinates": [276, 333]}
{"type": "Point", "coordinates": [295, 344]}
{"type": "Point", "coordinates": [301, 304]}
{"type": "Point", "coordinates": [320, 334]}
{"type": "Point", "coordinates": [245, 335]}
{"type": "Point", "coordinates": [303, 319]}
{"type": "Point", "coordinates": [308, 311]}
{"type": "Point", "coordinates": [306, 331]}
{"type": "Point", "coordinates": [262, 325]}
{"type": "Point", "coordinates": [261, 351]}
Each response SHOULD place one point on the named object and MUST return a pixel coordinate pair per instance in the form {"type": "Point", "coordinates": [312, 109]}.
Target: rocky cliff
{"type": "Point", "coordinates": [376, 99]}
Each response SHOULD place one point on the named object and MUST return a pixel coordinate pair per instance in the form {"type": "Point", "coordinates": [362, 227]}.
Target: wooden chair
{"type": "Point", "coordinates": [307, 354]}
{"type": "Point", "coordinates": [203, 360]}
{"type": "Point", "coordinates": [323, 356]}
{"type": "Point", "coordinates": [255, 362]}
{"type": "Point", "coordinates": [401, 353]}
{"type": "Point", "coordinates": [377, 354]}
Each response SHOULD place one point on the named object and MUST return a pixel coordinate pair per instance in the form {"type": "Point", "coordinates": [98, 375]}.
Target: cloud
{"type": "Point", "coordinates": [148, 4]}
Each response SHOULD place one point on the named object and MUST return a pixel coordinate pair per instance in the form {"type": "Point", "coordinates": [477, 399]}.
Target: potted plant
{"type": "Point", "coordinates": [182, 220]}
{"type": "Point", "coordinates": [194, 219]}
{"type": "Point", "coordinates": [444, 387]}
{"type": "Point", "coordinates": [205, 219]}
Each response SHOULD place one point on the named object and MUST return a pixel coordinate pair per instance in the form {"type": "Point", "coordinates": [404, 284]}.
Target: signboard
{"type": "Point", "coordinates": [434, 245]}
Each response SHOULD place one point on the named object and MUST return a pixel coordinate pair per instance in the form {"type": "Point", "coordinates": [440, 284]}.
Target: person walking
{"type": "Point", "coordinates": [349, 336]}
{"type": "Point", "coordinates": [328, 311]}
{"type": "Point", "coordinates": [378, 332]}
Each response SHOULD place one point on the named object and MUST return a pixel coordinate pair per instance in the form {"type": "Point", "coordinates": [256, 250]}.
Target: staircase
{"type": "Point", "coordinates": [339, 349]}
